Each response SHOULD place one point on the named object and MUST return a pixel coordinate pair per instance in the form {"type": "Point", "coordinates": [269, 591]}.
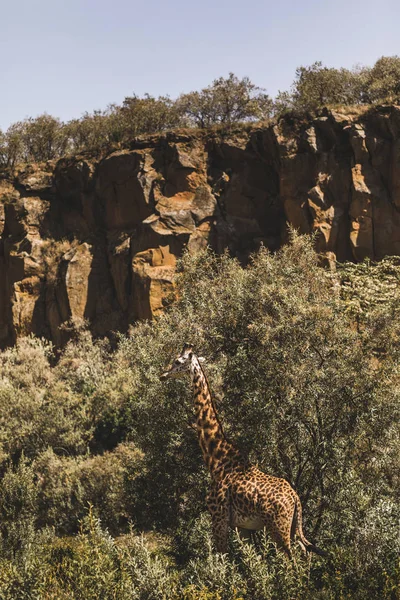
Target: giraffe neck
{"type": "Point", "coordinates": [219, 454]}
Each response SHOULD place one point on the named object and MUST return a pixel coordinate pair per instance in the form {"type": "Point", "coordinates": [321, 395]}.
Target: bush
{"type": "Point", "coordinates": [226, 101]}
{"type": "Point", "coordinates": [382, 82]}
{"type": "Point", "coordinates": [306, 381]}
{"type": "Point", "coordinates": [146, 115]}
{"type": "Point", "coordinates": [12, 147]}
{"type": "Point", "coordinates": [43, 138]}
{"type": "Point", "coordinates": [18, 508]}
{"type": "Point", "coordinates": [317, 86]}
{"type": "Point", "coordinates": [91, 565]}
{"type": "Point", "coordinates": [38, 408]}
{"type": "Point", "coordinates": [69, 485]}
{"type": "Point", "coordinates": [92, 132]}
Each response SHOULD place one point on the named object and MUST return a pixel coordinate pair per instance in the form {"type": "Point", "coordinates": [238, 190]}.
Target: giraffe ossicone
{"type": "Point", "coordinates": [241, 495]}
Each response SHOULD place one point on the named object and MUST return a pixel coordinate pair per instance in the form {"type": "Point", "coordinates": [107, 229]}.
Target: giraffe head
{"type": "Point", "coordinates": [181, 364]}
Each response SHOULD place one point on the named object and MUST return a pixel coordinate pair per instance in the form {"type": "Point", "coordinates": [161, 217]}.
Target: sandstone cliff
{"type": "Point", "coordinates": [99, 239]}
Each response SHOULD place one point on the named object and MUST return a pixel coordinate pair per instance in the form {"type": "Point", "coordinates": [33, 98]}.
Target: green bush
{"type": "Point", "coordinates": [228, 100]}
{"type": "Point", "coordinates": [18, 509]}
{"type": "Point", "coordinates": [91, 565]}
{"type": "Point", "coordinates": [137, 116]}
{"type": "Point", "coordinates": [38, 407]}
{"type": "Point", "coordinates": [317, 86]}
{"type": "Point", "coordinates": [305, 377]}
{"type": "Point", "coordinates": [382, 82]}
{"type": "Point", "coordinates": [69, 485]}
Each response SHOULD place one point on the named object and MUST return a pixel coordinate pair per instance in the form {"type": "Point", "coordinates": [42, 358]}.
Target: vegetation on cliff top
{"type": "Point", "coordinates": [225, 102]}
{"type": "Point", "coordinates": [304, 392]}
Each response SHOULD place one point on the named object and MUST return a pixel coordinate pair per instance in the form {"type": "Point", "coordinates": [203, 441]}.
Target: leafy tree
{"type": "Point", "coordinates": [3, 150]}
{"type": "Point", "coordinates": [382, 82]}
{"type": "Point", "coordinates": [13, 145]}
{"type": "Point", "coordinates": [43, 138]}
{"type": "Point", "coordinates": [119, 124]}
{"type": "Point", "coordinates": [228, 100]}
{"type": "Point", "coordinates": [306, 382]}
{"type": "Point", "coordinates": [89, 133]}
{"type": "Point", "coordinates": [317, 86]}
{"type": "Point", "coordinates": [146, 115]}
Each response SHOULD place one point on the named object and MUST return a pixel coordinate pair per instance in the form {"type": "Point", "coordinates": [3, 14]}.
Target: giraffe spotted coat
{"type": "Point", "coordinates": [241, 495]}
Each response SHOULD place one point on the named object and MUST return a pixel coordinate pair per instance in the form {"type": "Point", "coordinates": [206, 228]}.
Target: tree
{"type": "Point", "coordinates": [3, 149]}
{"type": "Point", "coordinates": [138, 116]}
{"type": "Point", "coordinates": [13, 145]}
{"type": "Point", "coordinates": [43, 138]}
{"type": "Point", "coordinates": [317, 86]}
{"type": "Point", "coordinates": [226, 101]}
{"type": "Point", "coordinates": [304, 388]}
{"type": "Point", "coordinates": [91, 132]}
{"type": "Point", "coordinates": [382, 82]}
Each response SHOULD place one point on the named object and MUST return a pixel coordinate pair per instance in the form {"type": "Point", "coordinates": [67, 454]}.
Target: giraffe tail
{"type": "Point", "coordinates": [297, 528]}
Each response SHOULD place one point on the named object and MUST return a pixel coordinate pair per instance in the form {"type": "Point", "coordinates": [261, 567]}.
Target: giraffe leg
{"type": "Point", "coordinates": [220, 533]}
{"type": "Point", "coordinates": [279, 527]}
{"type": "Point", "coordinates": [281, 539]}
{"type": "Point", "coordinates": [218, 507]}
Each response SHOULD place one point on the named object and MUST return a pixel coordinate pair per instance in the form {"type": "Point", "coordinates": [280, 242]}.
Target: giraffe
{"type": "Point", "coordinates": [241, 496]}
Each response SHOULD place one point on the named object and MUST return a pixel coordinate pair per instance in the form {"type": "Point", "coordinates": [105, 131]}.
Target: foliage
{"type": "Point", "coordinates": [304, 392]}
{"type": "Point", "coordinates": [317, 86]}
{"type": "Point", "coordinates": [366, 285]}
{"type": "Point", "coordinates": [12, 149]}
{"type": "Point", "coordinates": [91, 565]}
{"type": "Point", "coordinates": [33, 140]}
{"type": "Point", "coordinates": [146, 115]}
{"type": "Point", "coordinates": [18, 506]}
{"type": "Point", "coordinates": [382, 82]}
{"type": "Point", "coordinates": [226, 101]}
{"type": "Point", "coordinates": [43, 138]}
{"type": "Point", "coordinates": [89, 133]}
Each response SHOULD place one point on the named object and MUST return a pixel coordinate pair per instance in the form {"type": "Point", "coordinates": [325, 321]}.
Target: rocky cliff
{"type": "Point", "coordinates": [99, 239]}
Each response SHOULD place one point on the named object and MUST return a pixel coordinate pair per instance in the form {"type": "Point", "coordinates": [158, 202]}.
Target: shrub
{"type": "Point", "coordinates": [12, 147]}
{"type": "Point", "coordinates": [38, 408]}
{"type": "Point", "coordinates": [228, 100]}
{"type": "Point", "coordinates": [43, 138]}
{"type": "Point", "coordinates": [382, 82]}
{"type": "Point", "coordinates": [146, 115]}
{"type": "Point", "coordinates": [305, 377]}
{"type": "Point", "coordinates": [91, 565]}
{"type": "Point", "coordinates": [69, 485]}
{"type": "Point", "coordinates": [317, 86]}
{"type": "Point", "coordinates": [18, 508]}
{"type": "Point", "coordinates": [91, 133]}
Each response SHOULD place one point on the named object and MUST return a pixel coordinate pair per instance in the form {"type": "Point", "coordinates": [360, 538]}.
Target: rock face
{"type": "Point", "coordinates": [99, 239]}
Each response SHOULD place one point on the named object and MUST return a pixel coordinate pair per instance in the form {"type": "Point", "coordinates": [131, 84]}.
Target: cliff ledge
{"type": "Point", "coordinates": [99, 239]}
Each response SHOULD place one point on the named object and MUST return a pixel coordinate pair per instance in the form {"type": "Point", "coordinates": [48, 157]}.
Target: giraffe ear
{"type": "Point", "coordinates": [201, 359]}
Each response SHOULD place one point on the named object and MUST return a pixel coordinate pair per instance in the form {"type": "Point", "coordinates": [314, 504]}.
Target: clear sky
{"type": "Point", "coordinates": [66, 57]}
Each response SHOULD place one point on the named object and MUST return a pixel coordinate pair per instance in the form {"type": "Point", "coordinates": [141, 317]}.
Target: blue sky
{"type": "Point", "coordinates": [66, 57]}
